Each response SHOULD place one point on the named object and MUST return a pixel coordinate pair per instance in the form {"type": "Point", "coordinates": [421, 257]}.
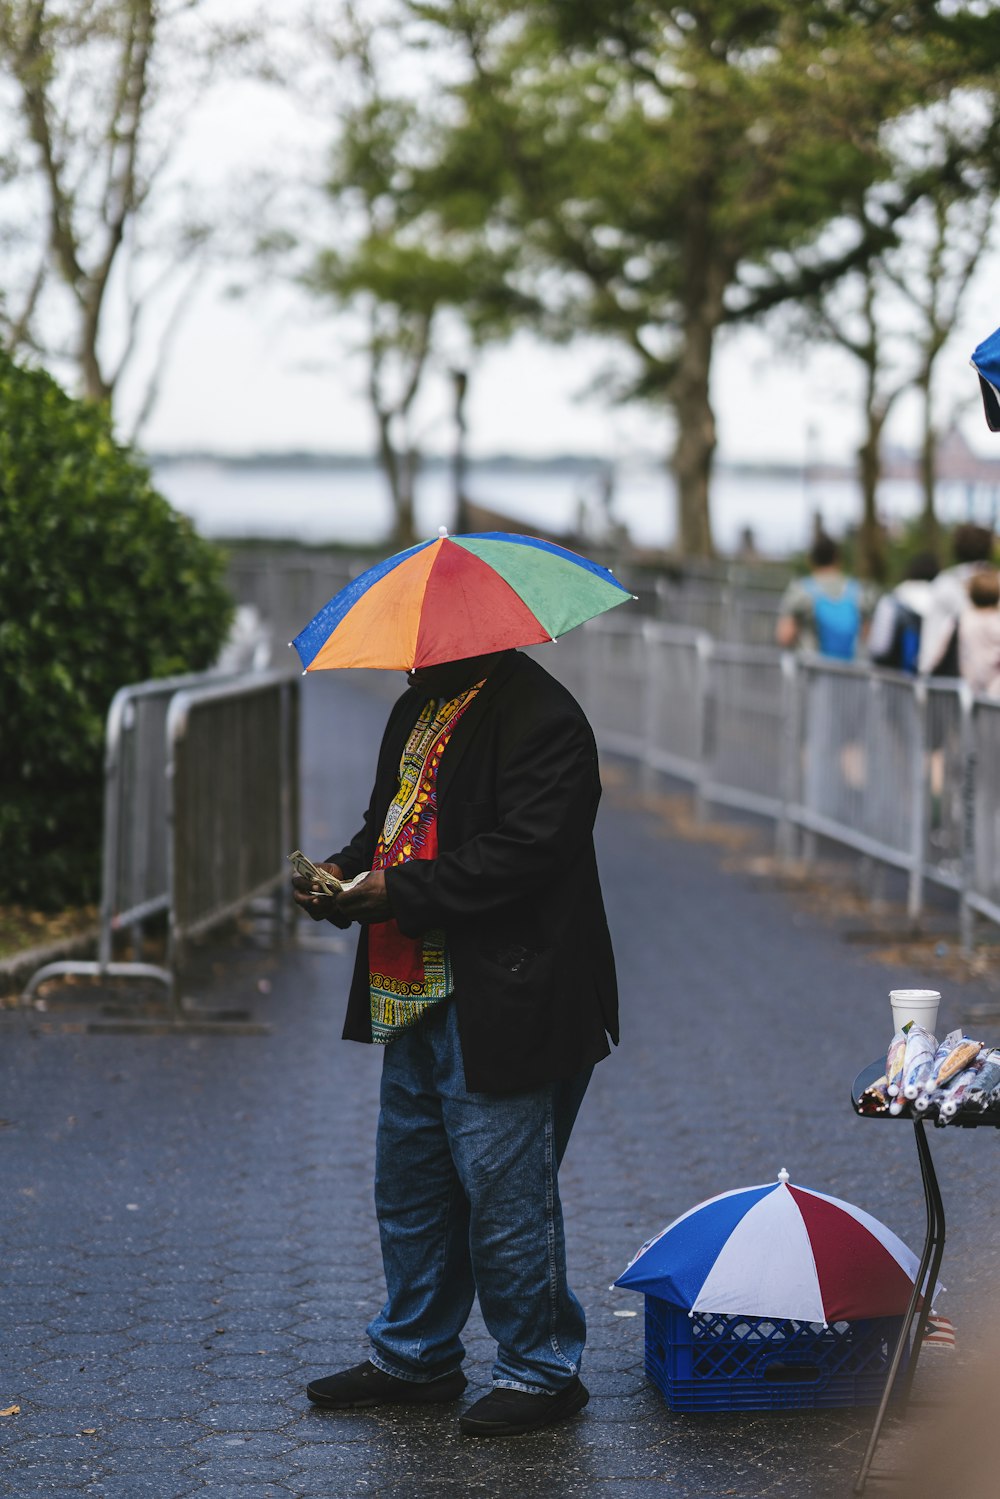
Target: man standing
{"type": "Point", "coordinates": [485, 968]}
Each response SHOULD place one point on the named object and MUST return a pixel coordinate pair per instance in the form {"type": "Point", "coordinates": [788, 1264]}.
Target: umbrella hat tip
{"type": "Point", "coordinates": [783, 1176]}
{"type": "Point", "coordinates": [442, 532]}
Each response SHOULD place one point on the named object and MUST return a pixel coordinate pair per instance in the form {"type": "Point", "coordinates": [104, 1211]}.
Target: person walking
{"type": "Point", "coordinates": [485, 969]}
{"type": "Point", "coordinates": [827, 611]}
{"type": "Point", "coordinates": [894, 635]}
{"type": "Point", "coordinates": [979, 634]}
{"type": "Point", "coordinates": [972, 547]}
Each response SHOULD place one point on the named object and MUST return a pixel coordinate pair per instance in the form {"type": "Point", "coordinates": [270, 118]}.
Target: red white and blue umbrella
{"type": "Point", "coordinates": [780, 1251]}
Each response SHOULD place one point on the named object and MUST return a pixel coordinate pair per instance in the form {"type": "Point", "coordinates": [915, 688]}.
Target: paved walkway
{"type": "Point", "coordinates": [186, 1224]}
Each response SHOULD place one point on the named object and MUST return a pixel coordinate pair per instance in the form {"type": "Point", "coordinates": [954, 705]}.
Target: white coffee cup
{"type": "Point", "coordinates": [920, 1005]}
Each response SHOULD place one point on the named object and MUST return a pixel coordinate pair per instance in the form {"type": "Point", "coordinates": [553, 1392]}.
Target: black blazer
{"type": "Point", "coordinates": [514, 885]}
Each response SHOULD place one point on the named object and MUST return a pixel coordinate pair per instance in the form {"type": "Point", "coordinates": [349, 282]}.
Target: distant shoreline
{"type": "Point", "coordinates": [575, 463]}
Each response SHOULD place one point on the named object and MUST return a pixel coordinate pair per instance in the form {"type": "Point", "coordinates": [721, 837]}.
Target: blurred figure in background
{"type": "Point", "coordinates": [894, 636]}
{"type": "Point", "coordinates": [979, 634]}
{"type": "Point", "coordinates": [826, 612]}
{"type": "Point", "coordinates": [949, 1445]}
{"type": "Point", "coordinates": [972, 547]}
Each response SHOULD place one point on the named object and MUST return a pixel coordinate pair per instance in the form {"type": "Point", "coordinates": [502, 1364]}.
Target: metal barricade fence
{"type": "Point", "coordinates": [671, 708]}
{"type": "Point", "coordinates": [152, 841]}
{"type": "Point", "coordinates": [946, 740]}
{"type": "Point", "coordinates": [134, 877]}
{"type": "Point", "coordinates": [288, 590]}
{"type": "Point", "coordinates": [744, 746]}
{"type": "Point", "coordinates": [233, 772]}
{"type": "Point", "coordinates": [859, 743]}
{"type": "Point", "coordinates": [753, 619]}
{"type": "Point", "coordinates": [982, 810]}
{"type": "Point", "coordinates": [615, 685]}
{"type": "Point", "coordinates": [905, 771]}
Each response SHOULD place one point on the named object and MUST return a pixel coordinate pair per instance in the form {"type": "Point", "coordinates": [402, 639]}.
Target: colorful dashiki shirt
{"type": "Point", "coordinates": [409, 974]}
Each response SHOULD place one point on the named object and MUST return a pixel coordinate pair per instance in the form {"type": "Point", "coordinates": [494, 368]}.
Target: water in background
{"type": "Point", "coordinates": [349, 505]}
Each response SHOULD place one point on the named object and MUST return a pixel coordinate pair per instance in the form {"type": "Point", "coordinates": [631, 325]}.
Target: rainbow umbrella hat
{"type": "Point", "coordinates": [780, 1251]}
{"type": "Point", "coordinates": [457, 596]}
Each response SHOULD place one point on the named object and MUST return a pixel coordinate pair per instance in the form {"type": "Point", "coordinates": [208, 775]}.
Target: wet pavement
{"type": "Point", "coordinates": [186, 1222]}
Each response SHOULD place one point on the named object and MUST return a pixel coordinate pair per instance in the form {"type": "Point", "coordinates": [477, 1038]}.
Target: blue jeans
{"type": "Point", "coordinates": [467, 1196]}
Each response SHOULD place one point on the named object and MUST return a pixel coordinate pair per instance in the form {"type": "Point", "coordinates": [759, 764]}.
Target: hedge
{"type": "Point", "coordinates": [102, 583]}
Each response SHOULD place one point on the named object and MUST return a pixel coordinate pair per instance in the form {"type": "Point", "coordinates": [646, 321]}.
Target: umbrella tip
{"type": "Point", "coordinates": [783, 1176]}
{"type": "Point", "coordinates": [442, 532]}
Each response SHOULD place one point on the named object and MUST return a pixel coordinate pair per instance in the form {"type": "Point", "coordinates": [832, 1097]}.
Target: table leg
{"type": "Point", "coordinates": [926, 1276]}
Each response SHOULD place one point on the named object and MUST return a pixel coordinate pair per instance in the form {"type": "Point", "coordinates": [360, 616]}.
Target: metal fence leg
{"type": "Point", "coordinates": [920, 803]}
{"type": "Point", "coordinates": [703, 678]}
{"type": "Point", "coordinates": [967, 924]}
{"type": "Point", "coordinates": [786, 833]}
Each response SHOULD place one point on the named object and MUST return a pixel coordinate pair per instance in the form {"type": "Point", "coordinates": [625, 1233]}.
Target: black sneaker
{"type": "Point", "coordinates": [510, 1413]}
{"type": "Point", "coordinates": [367, 1385]}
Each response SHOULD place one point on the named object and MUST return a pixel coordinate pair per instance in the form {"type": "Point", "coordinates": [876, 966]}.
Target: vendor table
{"type": "Point", "coordinates": [914, 1323]}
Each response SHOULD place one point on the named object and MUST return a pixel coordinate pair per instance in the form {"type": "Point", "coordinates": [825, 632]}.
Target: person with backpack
{"type": "Point", "coordinates": [894, 636]}
{"type": "Point", "coordinates": [827, 612]}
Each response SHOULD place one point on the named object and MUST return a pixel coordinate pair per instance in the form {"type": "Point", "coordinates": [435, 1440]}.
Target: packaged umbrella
{"type": "Point", "coordinates": [894, 1062]}
{"type": "Point", "coordinates": [986, 1083]}
{"type": "Point", "coordinates": [957, 1092]}
{"type": "Point", "coordinates": [944, 1050]}
{"type": "Point", "coordinates": [957, 1059]}
{"type": "Point", "coordinates": [875, 1098]}
{"type": "Point", "coordinates": [948, 1099]}
{"type": "Point", "coordinates": [917, 1060]}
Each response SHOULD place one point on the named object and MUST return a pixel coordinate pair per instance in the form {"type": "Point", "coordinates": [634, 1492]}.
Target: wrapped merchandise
{"type": "Point", "coordinates": [920, 1049]}
{"type": "Point", "coordinates": [956, 1093]}
{"type": "Point", "coordinates": [944, 1050]}
{"type": "Point", "coordinates": [894, 1062]}
{"type": "Point", "coordinates": [875, 1098]}
{"type": "Point", "coordinates": [987, 1084]}
{"type": "Point", "coordinates": [948, 1099]}
{"type": "Point", "coordinates": [957, 1059]}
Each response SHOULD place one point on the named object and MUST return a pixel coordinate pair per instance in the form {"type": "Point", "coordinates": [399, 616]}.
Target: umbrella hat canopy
{"type": "Point", "coordinates": [781, 1251]}
{"type": "Point", "coordinates": [457, 596]}
{"type": "Point", "coordinates": [986, 362]}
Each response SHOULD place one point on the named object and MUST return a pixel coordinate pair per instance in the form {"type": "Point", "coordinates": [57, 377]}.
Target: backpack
{"type": "Point", "coordinates": [904, 647]}
{"type": "Point", "coordinates": [836, 621]}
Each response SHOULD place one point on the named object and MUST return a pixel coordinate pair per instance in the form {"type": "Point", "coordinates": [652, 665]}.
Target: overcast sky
{"type": "Point", "coordinates": [273, 371]}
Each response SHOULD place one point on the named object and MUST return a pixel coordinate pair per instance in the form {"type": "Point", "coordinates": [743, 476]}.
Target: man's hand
{"type": "Point", "coordinates": [320, 907]}
{"type": "Point", "coordinates": [367, 902]}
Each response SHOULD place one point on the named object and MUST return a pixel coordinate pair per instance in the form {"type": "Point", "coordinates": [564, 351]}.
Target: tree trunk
{"type": "Point", "coordinates": [95, 386]}
{"type": "Point", "coordinates": [389, 462]}
{"type": "Point", "coordinates": [930, 531]}
{"type": "Point", "coordinates": [406, 526]}
{"type": "Point", "coordinates": [460, 381]}
{"type": "Point", "coordinates": [871, 561]}
{"type": "Point", "coordinates": [706, 279]}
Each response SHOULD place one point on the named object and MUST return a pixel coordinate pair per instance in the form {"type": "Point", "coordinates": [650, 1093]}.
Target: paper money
{"type": "Point", "coordinates": [322, 881]}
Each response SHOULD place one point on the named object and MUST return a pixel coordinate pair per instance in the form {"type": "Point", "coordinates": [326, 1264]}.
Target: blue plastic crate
{"type": "Point", "coordinates": [709, 1362]}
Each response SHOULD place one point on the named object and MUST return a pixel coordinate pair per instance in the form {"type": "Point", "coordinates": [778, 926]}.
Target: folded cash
{"type": "Point", "coordinates": [322, 881]}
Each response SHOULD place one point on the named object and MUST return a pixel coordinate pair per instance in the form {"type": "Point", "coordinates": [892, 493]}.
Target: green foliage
{"type": "Point", "coordinates": [101, 584]}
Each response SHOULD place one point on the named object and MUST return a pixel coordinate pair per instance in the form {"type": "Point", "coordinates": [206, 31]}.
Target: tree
{"type": "Point", "coordinates": [894, 315]}
{"type": "Point", "coordinates": [94, 89]}
{"type": "Point", "coordinates": [938, 257]}
{"type": "Point", "coordinates": [410, 251]}
{"type": "Point", "coordinates": [103, 584]}
{"type": "Point", "coordinates": [658, 159]}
